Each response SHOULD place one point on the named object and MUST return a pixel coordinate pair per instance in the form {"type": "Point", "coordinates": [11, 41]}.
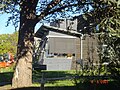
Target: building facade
{"type": "Point", "coordinates": [64, 49]}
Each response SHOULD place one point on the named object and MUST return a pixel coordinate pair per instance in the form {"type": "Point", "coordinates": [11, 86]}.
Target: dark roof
{"type": "Point", "coordinates": [44, 30]}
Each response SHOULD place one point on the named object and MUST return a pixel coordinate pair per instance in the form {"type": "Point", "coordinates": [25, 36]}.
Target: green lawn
{"type": "Point", "coordinates": [54, 74]}
{"type": "Point", "coordinates": [7, 73]}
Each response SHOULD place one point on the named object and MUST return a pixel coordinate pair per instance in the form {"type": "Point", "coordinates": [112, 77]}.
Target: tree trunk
{"type": "Point", "coordinates": [23, 71]}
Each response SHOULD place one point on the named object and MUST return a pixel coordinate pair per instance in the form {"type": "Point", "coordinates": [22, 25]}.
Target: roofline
{"type": "Point", "coordinates": [47, 28]}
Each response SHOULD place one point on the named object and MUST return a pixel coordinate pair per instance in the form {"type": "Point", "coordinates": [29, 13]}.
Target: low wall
{"type": "Point", "coordinates": [58, 63]}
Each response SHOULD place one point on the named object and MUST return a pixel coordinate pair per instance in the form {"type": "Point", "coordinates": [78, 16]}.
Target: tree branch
{"type": "Point", "coordinates": [49, 10]}
{"type": "Point", "coordinates": [45, 12]}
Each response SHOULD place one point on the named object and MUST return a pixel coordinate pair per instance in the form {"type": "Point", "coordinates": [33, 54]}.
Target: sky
{"type": "Point", "coordinates": [9, 29]}
{"type": "Point", "coordinates": [3, 22]}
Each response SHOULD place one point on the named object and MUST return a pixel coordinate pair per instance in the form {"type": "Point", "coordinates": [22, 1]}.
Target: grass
{"type": "Point", "coordinates": [54, 74]}
{"type": "Point", "coordinates": [7, 73]}
{"type": "Point", "coordinates": [7, 69]}
{"type": "Point", "coordinates": [60, 83]}
{"type": "Point", "coordinates": [57, 83]}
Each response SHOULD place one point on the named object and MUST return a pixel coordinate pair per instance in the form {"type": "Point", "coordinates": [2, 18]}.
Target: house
{"type": "Point", "coordinates": [61, 46]}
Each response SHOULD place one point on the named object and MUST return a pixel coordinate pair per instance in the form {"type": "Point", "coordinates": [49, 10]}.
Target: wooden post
{"type": "Point", "coordinates": [41, 67]}
{"type": "Point", "coordinates": [42, 86]}
{"type": "Point", "coordinates": [42, 82]}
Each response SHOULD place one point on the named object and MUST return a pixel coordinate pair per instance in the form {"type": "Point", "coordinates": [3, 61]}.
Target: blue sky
{"type": "Point", "coordinates": [9, 29]}
{"type": "Point", "coordinates": [3, 29]}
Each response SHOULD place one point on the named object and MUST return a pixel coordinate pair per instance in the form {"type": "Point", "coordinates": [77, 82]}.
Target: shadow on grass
{"type": "Point", "coordinates": [51, 74]}
{"type": "Point", "coordinates": [112, 85]}
{"type": "Point", "coordinates": [82, 86]}
{"type": "Point", "coordinates": [48, 88]}
{"type": "Point", "coordinates": [6, 78]}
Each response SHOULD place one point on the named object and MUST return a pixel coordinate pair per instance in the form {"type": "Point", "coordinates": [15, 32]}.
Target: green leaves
{"type": "Point", "coordinates": [109, 28]}
{"type": "Point", "coordinates": [111, 52]}
{"type": "Point", "coordinates": [8, 43]}
{"type": "Point", "coordinates": [111, 25]}
{"type": "Point", "coordinates": [111, 20]}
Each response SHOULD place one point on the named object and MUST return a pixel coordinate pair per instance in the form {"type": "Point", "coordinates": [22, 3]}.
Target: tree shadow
{"type": "Point", "coordinates": [37, 75]}
{"type": "Point", "coordinates": [97, 86]}
{"type": "Point", "coordinates": [82, 86]}
{"type": "Point", "coordinates": [6, 78]}
{"type": "Point", "coordinates": [48, 88]}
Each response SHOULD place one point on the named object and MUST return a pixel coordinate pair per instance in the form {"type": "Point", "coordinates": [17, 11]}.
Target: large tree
{"type": "Point", "coordinates": [31, 12]}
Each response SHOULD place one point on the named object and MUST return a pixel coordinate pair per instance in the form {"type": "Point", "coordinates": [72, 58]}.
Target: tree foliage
{"type": "Point", "coordinates": [111, 20]}
{"type": "Point", "coordinates": [109, 37]}
{"type": "Point", "coordinates": [8, 43]}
